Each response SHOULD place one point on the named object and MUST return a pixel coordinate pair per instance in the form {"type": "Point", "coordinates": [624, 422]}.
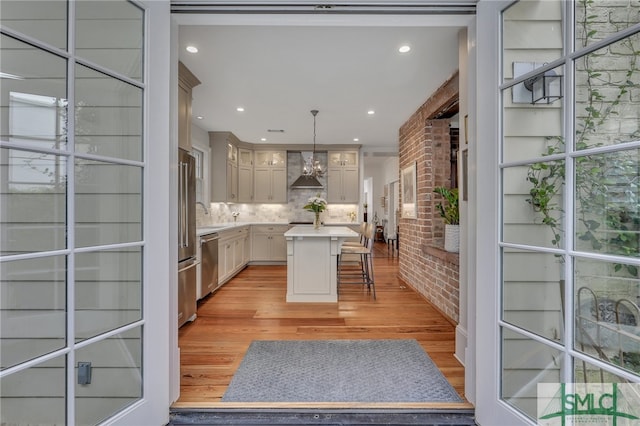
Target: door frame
{"type": "Point", "coordinates": [261, 16]}
{"type": "Point", "coordinates": [490, 409]}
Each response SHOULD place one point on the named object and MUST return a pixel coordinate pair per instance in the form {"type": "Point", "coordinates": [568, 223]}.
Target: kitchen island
{"type": "Point", "coordinates": [312, 256]}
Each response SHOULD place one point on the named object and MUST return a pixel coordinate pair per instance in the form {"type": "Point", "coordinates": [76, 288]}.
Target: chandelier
{"type": "Point", "coordinates": [312, 166]}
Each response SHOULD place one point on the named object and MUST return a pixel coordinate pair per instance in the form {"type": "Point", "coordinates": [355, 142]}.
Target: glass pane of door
{"type": "Point", "coordinates": [533, 292]}
{"type": "Point", "coordinates": [108, 117]}
{"type": "Point", "coordinates": [116, 376]}
{"type": "Point", "coordinates": [41, 19]}
{"type": "Point", "coordinates": [596, 20]}
{"type": "Point", "coordinates": [36, 395]}
{"type": "Point", "coordinates": [34, 95]}
{"type": "Point", "coordinates": [110, 33]}
{"type": "Point", "coordinates": [34, 196]}
{"type": "Point", "coordinates": [607, 111]}
{"type": "Point", "coordinates": [607, 199]}
{"type": "Point", "coordinates": [108, 290]}
{"type": "Point", "coordinates": [32, 308]}
{"type": "Point", "coordinates": [525, 364]}
{"type": "Point", "coordinates": [108, 203]}
{"type": "Point", "coordinates": [531, 33]}
{"type": "Point", "coordinates": [607, 314]}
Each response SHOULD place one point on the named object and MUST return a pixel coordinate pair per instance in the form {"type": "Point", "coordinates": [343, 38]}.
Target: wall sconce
{"type": "Point", "coordinates": [544, 88]}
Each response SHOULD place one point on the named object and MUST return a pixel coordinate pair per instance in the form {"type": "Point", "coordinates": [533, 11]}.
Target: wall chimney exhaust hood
{"type": "Point", "coordinates": [306, 182]}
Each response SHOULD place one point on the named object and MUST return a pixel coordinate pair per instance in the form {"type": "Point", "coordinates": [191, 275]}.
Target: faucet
{"type": "Point", "coordinates": [206, 211]}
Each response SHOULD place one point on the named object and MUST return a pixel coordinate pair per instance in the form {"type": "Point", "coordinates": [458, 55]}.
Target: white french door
{"type": "Point", "coordinates": [80, 326]}
{"type": "Point", "coordinates": [558, 294]}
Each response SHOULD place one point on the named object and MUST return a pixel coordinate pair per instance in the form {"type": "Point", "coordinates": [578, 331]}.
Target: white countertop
{"type": "Point", "coordinates": [323, 231]}
{"type": "Point", "coordinates": [220, 227]}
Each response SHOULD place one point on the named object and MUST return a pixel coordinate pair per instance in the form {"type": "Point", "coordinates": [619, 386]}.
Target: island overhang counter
{"type": "Point", "coordinates": [312, 262]}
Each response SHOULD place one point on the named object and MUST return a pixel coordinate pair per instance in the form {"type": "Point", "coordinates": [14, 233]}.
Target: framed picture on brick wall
{"type": "Point", "coordinates": [408, 188]}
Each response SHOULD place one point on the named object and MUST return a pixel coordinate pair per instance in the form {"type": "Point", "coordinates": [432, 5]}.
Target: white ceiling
{"type": "Point", "coordinates": [280, 73]}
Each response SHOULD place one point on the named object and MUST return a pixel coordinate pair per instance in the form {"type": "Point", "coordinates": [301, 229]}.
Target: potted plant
{"type": "Point", "coordinates": [450, 213]}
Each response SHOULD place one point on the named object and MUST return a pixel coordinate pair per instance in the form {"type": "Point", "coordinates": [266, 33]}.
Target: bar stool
{"type": "Point", "coordinates": [359, 271]}
{"type": "Point", "coordinates": [361, 231]}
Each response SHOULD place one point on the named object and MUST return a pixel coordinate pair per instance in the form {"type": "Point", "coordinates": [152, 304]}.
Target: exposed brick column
{"type": "Point", "coordinates": [426, 141]}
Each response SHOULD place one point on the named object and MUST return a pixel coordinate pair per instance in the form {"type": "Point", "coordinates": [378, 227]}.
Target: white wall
{"type": "Point", "coordinates": [382, 171]}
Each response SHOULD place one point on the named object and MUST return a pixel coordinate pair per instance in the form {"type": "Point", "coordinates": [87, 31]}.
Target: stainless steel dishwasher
{"type": "Point", "coordinates": [209, 263]}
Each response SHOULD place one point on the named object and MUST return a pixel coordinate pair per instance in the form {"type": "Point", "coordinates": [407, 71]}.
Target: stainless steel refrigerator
{"type": "Point", "coordinates": [186, 238]}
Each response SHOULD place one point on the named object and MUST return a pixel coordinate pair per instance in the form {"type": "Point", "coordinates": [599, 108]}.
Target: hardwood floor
{"type": "Point", "coordinates": [252, 306]}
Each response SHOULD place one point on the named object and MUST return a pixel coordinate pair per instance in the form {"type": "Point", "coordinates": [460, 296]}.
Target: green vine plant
{"type": "Point", "coordinates": [450, 212]}
{"type": "Point", "coordinates": [547, 181]}
{"type": "Point", "coordinates": [606, 185]}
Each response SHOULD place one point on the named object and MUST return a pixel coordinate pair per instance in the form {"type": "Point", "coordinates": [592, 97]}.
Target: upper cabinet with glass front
{"type": "Point", "coordinates": [270, 177]}
{"type": "Point", "coordinates": [343, 183]}
{"type": "Point", "coordinates": [271, 159]}
{"type": "Point", "coordinates": [245, 175]}
{"type": "Point", "coordinates": [343, 159]}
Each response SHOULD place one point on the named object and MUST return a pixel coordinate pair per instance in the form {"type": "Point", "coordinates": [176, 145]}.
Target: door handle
{"type": "Point", "coordinates": [182, 202]}
{"type": "Point", "coordinates": [186, 204]}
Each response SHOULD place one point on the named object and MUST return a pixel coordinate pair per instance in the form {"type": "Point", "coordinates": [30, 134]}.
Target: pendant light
{"type": "Point", "coordinates": [312, 169]}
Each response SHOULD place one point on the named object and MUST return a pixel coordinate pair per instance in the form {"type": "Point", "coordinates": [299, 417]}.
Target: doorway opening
{"type": "Point", "coordinates": [395, 188]}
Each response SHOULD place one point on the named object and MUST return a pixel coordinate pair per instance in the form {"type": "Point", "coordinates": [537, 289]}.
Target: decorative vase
{"type": "Point", "coordinates": [452, 238]}
{"type": "Point", "coordinates": [316, 222]}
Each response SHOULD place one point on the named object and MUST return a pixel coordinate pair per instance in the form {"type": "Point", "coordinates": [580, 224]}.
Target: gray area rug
{"type": "Point", "coordinates": [338, 371]}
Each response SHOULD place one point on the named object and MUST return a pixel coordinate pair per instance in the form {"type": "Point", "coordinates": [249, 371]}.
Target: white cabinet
{"type": "Point", "coordinates": [270, 185]}
{"type": "Point", "coordinates": [268, 243]}
{"type": "Point", "coordinates": [271, 159]}
{"type": "Point", "coordinates": [186, 82]}
{"type": "Point", "coordinates": [343, 183]}
{"type": "Point", "coordinates": [270, 177]}
{"type": "Point", "coordinates": [245, 175]}
{"type": "Point", "coordinates": [231, 252]}
{"type": "Point", "coordinates": [232, 171]}
{"type": "Point", "coordinates": [223, 166]}
{"type": "Point", "coordinates": [232, 181]}
{"type": "Point", "coordinates": [342, 158]}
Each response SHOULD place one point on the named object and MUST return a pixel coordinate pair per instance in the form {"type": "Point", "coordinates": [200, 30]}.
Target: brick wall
{"type": "Point", "coordinates": [423, 264]}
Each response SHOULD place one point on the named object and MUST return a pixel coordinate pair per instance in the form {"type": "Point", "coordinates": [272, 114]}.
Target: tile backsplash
{"type": "Point", "coordinates": [222, 213]}
{"type": "Point", "coordinates": [290, 212]}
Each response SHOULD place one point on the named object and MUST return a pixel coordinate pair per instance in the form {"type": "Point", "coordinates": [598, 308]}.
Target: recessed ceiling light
{"type": "Point", "coordinates": [356, 139]}
{"type": "Point", "coordinates": [192, 49]}
{"type": "Point", "coordinates": [199, 117]}
{"type": "Point", "coordinates": [263, 139]}
{"type": "Point", "coordinates": [404, 49]}
{"type": "Point", "coordinates": [371, 112]}
{"type": "Point", "coordinates": [240, 109]}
